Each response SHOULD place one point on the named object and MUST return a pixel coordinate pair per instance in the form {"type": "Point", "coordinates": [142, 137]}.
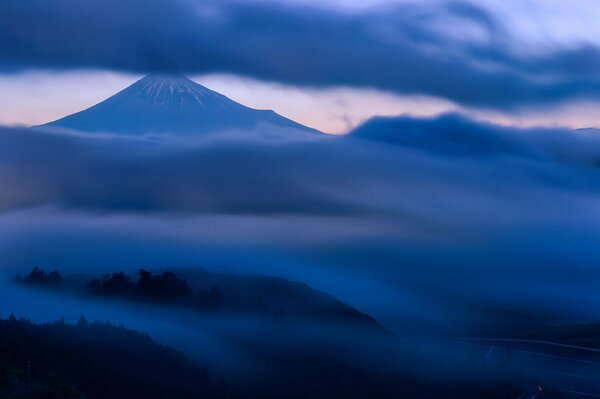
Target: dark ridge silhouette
{"type": "Point", "coordinates": [93, 360]}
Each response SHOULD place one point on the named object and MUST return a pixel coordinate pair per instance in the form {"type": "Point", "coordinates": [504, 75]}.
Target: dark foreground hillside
{"type": "Point", "coordinates": [269, 339]}
{"type": "Point", "coordinates": [95, 360]}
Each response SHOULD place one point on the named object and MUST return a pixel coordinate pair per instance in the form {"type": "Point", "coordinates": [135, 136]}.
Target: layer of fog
{"type": "Point", "coordinates": [437, 225]}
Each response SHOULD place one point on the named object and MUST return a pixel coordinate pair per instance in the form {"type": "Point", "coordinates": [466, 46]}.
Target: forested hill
{"type": "Point", "coordinates": [93, 360]}
{"type": "Point", "coordinates": [195, 288]}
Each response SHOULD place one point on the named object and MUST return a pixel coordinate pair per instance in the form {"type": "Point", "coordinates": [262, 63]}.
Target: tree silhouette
{"type": "Point", "coordinates": [114, 284]}
{"type": "Point", "coordinates": [39, 276]}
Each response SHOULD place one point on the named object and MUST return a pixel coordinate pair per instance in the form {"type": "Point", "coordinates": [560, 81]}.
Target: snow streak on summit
{"type": "Point", "coordinates": [170, 104]}
{"type": "Point", "coordinates": [177, 90]}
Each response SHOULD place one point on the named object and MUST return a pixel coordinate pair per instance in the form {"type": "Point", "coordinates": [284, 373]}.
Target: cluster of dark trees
{"type": "Point", "coordinates": [40, 277]}
{"type": "Point", "coordinates": [94, 360]}
{"type": "Point", "coordinates": [163, 287]}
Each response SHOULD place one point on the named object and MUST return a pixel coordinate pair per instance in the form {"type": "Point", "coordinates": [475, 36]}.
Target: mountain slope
{"type": "Point", "coordinates": [170, 104]}
{"type": "Point", "coordinates": [256, 295]}
{"type": "Point", "coordinates": [95, 361]}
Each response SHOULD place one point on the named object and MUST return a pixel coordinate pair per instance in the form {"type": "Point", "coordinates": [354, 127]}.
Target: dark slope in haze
{"type": "Point", "coordinates": [94, 361]}
{"type": "Point", "coordinates": [226, 293]}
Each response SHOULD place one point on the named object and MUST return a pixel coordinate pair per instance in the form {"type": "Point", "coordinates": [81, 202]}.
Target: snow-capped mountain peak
{"type": "Point", "coordinates": [162, 103]}
{"type": "Point", "coordinates": [179, 90]}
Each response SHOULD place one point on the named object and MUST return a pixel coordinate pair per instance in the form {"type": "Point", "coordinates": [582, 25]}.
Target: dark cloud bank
{"type": "Point", "coordinates": [404, 48]}
{"type": "Point", "coordinates": [440, 222]}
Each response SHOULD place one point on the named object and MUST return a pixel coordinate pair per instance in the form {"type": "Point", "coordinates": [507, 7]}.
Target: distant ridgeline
{"type": "Point", "coordinates": [164, 287]}
{"type": "Point", "coordinates": [270, 297]}
{"type": "Point", "coordinates": [93, 360]}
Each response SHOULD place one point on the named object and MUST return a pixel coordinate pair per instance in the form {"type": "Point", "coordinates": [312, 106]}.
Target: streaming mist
{"type": "Point", "coordinates": [437, 228]}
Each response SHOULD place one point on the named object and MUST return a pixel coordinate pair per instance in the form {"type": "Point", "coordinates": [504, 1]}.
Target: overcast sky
{"type": "Point", "coordinates": [327, 64]}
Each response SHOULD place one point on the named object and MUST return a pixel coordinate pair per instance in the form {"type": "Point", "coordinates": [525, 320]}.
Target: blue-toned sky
{"type": "Point", "coordinates": [328, 64]}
